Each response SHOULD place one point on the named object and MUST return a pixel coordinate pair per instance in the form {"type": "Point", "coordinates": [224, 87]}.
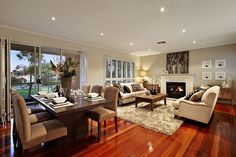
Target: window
{"type": "Point", "coordinates": [31, 68]}
{"type": "Point", "coordinates": [117, 70]}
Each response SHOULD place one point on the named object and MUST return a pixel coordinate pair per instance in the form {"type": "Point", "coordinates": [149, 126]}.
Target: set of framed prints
{"type": "Point", "coordinates": [219, 75]}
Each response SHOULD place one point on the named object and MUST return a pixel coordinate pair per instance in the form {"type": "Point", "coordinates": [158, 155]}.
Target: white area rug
{"type": "Point", "coordinates": [161, 119]}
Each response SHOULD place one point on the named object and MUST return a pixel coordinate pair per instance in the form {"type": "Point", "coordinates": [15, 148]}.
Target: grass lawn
{"type": "Point", "coordinates": [25, 92]}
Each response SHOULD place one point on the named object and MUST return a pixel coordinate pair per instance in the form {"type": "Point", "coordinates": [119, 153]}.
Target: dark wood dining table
{"type": "Point", "coordinates": [73, 117]}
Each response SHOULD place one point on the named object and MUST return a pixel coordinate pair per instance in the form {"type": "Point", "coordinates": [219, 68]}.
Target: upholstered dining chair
{"type": "Point", "coordinates": [106, 112]}
{"type": "Point", "coordinates": [33, 118]}
{"type": "Point", "coordinates": [86, 89]}
{"type": "Point", "coordinates": [97, 89]}
{"type": "Point", "coordinates": [31, 108]}
{"type": "Point", "coordinates": [32, 135]}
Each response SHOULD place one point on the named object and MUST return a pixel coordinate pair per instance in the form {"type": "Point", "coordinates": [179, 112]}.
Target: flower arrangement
{"type": "Point", "coordinates": [65, 69]}
{"type": "Point", "coordinates": [153, 89]}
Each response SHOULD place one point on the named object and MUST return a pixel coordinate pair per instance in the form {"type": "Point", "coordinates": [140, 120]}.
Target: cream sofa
{"type": "Point", "coordinates": [130, 97]}
{"type": "Point", "coordinates": [198, 111]}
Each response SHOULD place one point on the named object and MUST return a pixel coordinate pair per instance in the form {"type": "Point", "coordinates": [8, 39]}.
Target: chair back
{"type": "Point", "coordinates": [111, 93]}
{"type": "Point", "coordinates": [211, 95]}
{"type": "Point", "coordinates": [97, 89]}
{"type": "Point", "coordinates": [22, 119]}
{"type": "Point", "coordinates": [86, 89]}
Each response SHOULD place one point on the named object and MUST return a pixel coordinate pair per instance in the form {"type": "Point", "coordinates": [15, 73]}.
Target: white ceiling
{"type": "Point", "coordinates": [208, 22]}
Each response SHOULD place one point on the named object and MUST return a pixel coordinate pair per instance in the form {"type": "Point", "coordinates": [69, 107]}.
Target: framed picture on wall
{"type": "Point", "coordinates": [206, 75]}
{"type": "Point", "coordinates": [206, 64]}
{"type": "Point", "coordinates": [220, 63]}
{"type": "Point", "coordinates": [220, 75]}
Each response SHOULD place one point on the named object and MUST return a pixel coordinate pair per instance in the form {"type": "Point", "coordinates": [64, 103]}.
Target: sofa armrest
{"type": "Point", "coordinates": [183, 101]}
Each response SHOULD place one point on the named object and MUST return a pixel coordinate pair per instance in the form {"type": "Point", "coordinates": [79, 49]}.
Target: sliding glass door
{"type": "Point", "coordinates": [49, 80]}
{"type": "Point", "coordinates": [24, 68]}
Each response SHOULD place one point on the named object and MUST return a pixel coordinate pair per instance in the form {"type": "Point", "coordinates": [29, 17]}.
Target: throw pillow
{"type": "Point", "coordinates": [197, 96]}
{"type": "Point", "coordinates": [119, 86]}
{"type": "Point", "coordinates": [126, 89]}
{"type": "Point", "coordinates": [190, 94]}
{"type": "Point", "coordinates": [135, 87]}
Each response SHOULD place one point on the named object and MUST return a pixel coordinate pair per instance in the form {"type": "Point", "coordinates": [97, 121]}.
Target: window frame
{"type": "Point", "coordinates": [121, 79]}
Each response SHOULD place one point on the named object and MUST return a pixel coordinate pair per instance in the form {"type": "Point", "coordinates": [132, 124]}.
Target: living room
{"type": "Point", "coordinates": [149, 43]}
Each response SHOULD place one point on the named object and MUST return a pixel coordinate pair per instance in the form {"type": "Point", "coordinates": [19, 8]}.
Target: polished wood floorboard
{"type": "Point", "coordinates": [218, 138]}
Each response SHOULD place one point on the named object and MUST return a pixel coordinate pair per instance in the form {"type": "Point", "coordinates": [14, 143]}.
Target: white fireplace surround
{"type": "Point", "coordinates": [187, 78]}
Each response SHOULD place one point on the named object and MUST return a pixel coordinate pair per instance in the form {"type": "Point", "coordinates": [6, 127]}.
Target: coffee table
{"type": "Point", "coordinates": [150, 99]}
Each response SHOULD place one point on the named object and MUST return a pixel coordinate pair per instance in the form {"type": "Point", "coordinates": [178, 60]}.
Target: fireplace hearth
{"type": "Point", "coordinates": [176, 89]}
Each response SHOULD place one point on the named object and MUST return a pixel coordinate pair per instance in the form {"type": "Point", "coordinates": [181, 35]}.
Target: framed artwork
{"type": "Point", "coordinates": [206, 64]}
{"type": "Point", "coordinates": [220, 63]}
{"type": "Point", "coordinates": [177, 63]}
{"type": "Point", "coordinates": [206, 75]}
{"type": "Point", "coordinates": [220, 75]}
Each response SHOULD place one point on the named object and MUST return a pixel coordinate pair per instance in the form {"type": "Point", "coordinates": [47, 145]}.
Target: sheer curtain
{"type": "Point", "coordinates": [83, 69]}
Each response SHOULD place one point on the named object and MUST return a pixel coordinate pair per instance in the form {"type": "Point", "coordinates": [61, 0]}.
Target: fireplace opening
{"type": "Point", "coordinates": [176, 89]}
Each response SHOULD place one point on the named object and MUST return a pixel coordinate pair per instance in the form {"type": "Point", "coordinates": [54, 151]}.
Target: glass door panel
{"type": "Point", "coordinates": [49, 79]}
{"type": "Point", "coordinates": [24, 65]}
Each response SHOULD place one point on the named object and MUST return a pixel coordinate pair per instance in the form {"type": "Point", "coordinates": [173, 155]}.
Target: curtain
{"type": "Point", "coordinates": [5, 103]}
{"type": "Point", "coordinates": [83, 69]}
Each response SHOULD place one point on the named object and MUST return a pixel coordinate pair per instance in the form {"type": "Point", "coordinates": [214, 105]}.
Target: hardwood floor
{"type": "Point", "coordinates": [218, 138]}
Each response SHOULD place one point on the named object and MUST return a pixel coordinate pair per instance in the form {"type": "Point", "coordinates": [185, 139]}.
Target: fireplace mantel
{"type": "Point", "coordinates": [187, 78]}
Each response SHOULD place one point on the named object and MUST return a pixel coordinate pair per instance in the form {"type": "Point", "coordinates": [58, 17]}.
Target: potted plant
{"type": "Point", "coordinates": [65, 70]}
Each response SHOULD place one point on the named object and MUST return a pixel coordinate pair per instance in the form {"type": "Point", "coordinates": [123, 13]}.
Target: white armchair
{"type": "Point", "coordinates": [198, 111]}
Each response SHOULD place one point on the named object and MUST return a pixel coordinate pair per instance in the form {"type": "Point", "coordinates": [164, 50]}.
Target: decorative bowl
{"type": "Point", "coordinates": [51, 95]}
{"type": "Point", "coordinates": [59, 100]}
{"type": "Point", "coordinates": [93, 95]}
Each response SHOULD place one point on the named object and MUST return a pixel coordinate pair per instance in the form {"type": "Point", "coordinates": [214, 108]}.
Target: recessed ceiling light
{"type": "Point", "coordinates": [162, 9]}
{"type": "Point", "coordinates": [53, 18]}
{"type": "Point", "coordinates": [183, 30]}
{"type": "Point", "coordinates": [101, 34]}
{"type": "Point", "coordinates": [149, 49]}
{"type": "Point", "coordinates": [194, 42]}
{"type": "Point", "coordinates": [131, 44]}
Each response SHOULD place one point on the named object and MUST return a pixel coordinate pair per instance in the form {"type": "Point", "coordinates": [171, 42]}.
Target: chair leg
{"type": "Point", "coordinates": [99, 131]}
{"type": "Point", "coordinates": [19, 147]}
{"type": "Point", "coordinates": [64, 146]}
{"type": "Point", "coordinates": [26, 152]}
{"type": "Point", "coordinates": [115, 119]}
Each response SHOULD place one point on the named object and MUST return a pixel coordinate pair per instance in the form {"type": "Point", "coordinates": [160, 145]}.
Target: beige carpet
{"type": "Point", "coordinates": [161, 119]}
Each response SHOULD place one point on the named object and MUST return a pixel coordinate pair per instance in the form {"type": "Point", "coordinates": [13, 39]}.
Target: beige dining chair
{"type": "Point", "coordinates": [31, 108]}
{"type": "Point", "coordinates": [106, 112]}
{"type": "Point", "coordinates": [97, 89]}
{"type": "Point", "coordinates": [32, 135]}
{"type": "Point", "coordinates": [33, 118]}
{"type": "Point", "coordinates": [86, 89]}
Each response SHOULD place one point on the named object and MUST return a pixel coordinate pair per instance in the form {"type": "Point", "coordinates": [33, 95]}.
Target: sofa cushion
{"type": "Point", "coordinates": [119, 86]}
{"type": "Point", "coordinates": [190, 94]}
{"type": "Point", "coordinates": [135, 87]}
{"type": "Point", "coordinates": [197, 96]}
{"type": "Point", "coordinates": [126, 89]}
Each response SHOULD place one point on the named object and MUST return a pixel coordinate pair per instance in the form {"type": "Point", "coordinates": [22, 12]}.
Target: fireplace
{"type": "Point", "coordinates": [176, 89]}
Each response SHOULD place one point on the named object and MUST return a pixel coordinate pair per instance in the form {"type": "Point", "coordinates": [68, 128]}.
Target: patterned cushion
{"type": "Point", "coordinates": [118, 85]}
{"type": "Point", "coordinates": [197, 96]}
{"type": "Point", "coordinates": [190, 94]}
{"type": "Point", "coordinates": [126, 89]}
{"type": "Point", "coordinates": [135, 87]}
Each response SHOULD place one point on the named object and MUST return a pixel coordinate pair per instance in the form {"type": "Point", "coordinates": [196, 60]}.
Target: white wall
{"type": "Point", "coordinates": [95, 55]}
